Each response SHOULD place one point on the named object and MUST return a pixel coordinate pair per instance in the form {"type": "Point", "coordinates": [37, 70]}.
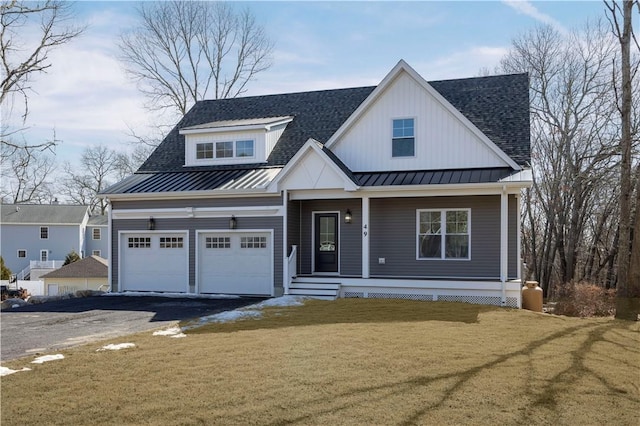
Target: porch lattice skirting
{"type": "Point", "coordinates": [512, 302]}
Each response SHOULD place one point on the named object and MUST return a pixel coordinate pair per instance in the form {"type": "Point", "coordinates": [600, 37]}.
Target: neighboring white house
{"type": "Point", "coordinates": [35, 238]}
{"type": "Point", "coordinates": [407, 189]}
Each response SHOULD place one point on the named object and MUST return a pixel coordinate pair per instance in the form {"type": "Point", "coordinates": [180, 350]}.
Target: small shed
{"type": "Point", "coordinates": [90, 273]}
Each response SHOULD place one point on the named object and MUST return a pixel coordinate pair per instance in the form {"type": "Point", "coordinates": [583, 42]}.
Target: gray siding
{"type": "Point", "coordinates": [293, 228]}
{"type": "Point", "coordinates": [192, 225]}
{"type": "Point", "coordinates": [513, 237]}
{"type": "Point", "coordinates": [393, 237]}
{"type": "Point", "coordinates": [350, 240]}
{"type": "Point", "coordinates": [200, 202]}
{"type": "Point", "coordinates": [62, 240]}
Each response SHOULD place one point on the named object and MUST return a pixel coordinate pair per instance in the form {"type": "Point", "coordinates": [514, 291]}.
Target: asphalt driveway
{"type": "Point", "coordinates": [59, 324]}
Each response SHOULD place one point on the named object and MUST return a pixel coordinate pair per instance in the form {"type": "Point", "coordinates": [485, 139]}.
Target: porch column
{"type": "Point", "coordinates": [286, 274]}
{"type": "Point", "coordinates": [365, 237]}
{"type": "Point", "coordinates": [504, 243]}
{"type": "Point", "coordinates": [109, 246]}
{"type": "Point", "coordinates": [519, 238]}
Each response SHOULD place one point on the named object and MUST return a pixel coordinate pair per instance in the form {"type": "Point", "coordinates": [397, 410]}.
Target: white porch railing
{"type": "Point", "coordinates": [39, 264]}
{"type": "Point", "coordinates": [292, 267]}
{"type": "Point", "coordinates": [46, 264]}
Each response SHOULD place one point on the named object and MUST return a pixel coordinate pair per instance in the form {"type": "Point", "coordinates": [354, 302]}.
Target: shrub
{"type": "Point", "coordinates": [5, 272]}
{"type": "Point", "coordinates": [71, 257]}
{"type": "Point", "coordinates": [585, 300]}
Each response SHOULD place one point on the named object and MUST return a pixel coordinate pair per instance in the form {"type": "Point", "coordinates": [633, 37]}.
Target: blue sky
{"type": "Point", "coordinates": [87, 98]}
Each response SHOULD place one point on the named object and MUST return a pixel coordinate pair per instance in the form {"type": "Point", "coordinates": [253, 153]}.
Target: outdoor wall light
{"type": "Point", "coordinates": [347, 216]}
{"type": "Point", "coordinates": [233, 223]}
{"type": "Point", "coordinates": [151, 225]}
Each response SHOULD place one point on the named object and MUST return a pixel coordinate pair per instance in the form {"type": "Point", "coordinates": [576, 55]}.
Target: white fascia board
{"type": "Point", "coordinates": [400, 67]}
{"type": "Point", "coordinates": [310, 144]}
{"type": "Point", "coordinates": [197, 212]}
{"type": "Point", "coordinates": [494, 188]}
{"type": "Point", "coordinates": [524, 176]}
{"type": "Point", "coordinates": [241, 128]}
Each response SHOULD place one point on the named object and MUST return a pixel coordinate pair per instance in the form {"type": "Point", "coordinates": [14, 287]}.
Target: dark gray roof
{"type": "Point", "coordinates": [42, 214]}
{"type": "Point", "coordinates": [316, 115]}
{"type": "Point", "coordinates": [89, 267]}
{"type": "Point", "coordinates": [195, 181]}
{"type": "Point", "coordinates": [497, 105]}
{"type": "Point", "coordinates": [432, 177]}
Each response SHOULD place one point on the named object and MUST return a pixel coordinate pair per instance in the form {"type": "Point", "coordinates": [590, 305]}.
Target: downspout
{"type": "Point", "coordinates": [504, 244]}
{"type": "Point", "coordinates": [109, 238]}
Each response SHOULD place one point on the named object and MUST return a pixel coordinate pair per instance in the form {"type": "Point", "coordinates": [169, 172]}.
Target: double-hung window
{"type": "Point", "coordinates": [44, 232]}
{"type": "Point", "coordinates": [403, 143]}
{"type": "Point", "coordinates": [444, 234]}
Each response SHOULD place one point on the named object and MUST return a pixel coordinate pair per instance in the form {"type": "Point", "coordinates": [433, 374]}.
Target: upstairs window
{"type": "Point", "coordinates": [225, 149]}
{"type": "Point", "coordinates": [403, 141]}
{"type": "Point", "coordinates": [44, 232]}
{"type": "Point", "coordinates": [22, 253]}
{"type": "Point", "coordinates": [204, 150]}
{"type": "Point", "coordinates": [96, 234]}
{"type": "Point", "coordinates": [244, 148]}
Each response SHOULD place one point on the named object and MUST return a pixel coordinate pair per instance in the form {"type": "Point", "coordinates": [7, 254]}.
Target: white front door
{"type": "Point", "coordinates": [235, 263]}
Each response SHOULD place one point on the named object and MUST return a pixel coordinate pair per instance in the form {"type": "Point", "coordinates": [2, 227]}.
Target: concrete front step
{"type": "Point", "coordinates": [312, 292]}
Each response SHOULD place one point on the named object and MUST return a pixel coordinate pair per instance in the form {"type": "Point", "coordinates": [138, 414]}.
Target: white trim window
{"type": "Point", "coordinates": [22, 253]}
{"type": "Point", "coordinates": [403, 141]}
{"type": "Point", "coordinates": [96, 233]}
{"type": "Point", "coordinates": [245, 148]}
{"type": "Point", "coordinates": [444, 234]}
{"type": "Point", "coordinates": [44, 255]}
{"type": "Point", "coordinates": [171, 242]}
{"type": "Point", "coordinates": [97, 253]}
{"type": "Point", "coordinates": [44, 232]}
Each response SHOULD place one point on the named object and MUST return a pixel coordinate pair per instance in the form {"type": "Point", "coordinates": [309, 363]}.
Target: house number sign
{"type": "Point", "coordinates": [365, 232]}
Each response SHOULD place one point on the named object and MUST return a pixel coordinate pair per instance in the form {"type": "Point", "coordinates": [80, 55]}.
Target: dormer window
{"type": "Point", "coordinates": [231, 142]}
{"type": "Point", "coordinates": [226, 149]}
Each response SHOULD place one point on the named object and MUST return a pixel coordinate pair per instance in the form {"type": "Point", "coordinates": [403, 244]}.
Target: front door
{"type": "Point", "coordinates": [326, 242]}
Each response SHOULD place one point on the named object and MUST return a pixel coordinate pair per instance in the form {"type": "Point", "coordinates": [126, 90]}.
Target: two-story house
{"type": "Point", "coordinates": [407, 189]}
{"type": "Point", "coordinates": [35, 238]}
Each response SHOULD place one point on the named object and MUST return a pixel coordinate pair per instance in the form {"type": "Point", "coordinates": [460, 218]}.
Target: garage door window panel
{"type": "Point", "coordinates": [171, 242]}
{"type": "Point", "coordinates": [218, 242]}
{"type": "Point", "coordinates": [253, 242]}
{"type": "Point", "coordinates": [139, 242]}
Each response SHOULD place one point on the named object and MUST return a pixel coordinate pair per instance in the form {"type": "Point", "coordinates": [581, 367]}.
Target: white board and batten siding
{"type": "Point", "coordinates": [235, 262]}
{"type": "Point", "coordinates": [442, 140]}
{"type": "Point", "coordinates": [152, 261]}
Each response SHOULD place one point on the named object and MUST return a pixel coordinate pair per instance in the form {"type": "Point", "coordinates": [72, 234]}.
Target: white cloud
{"type": "Point", "coordinates": [461, 64]}
{"type": "Point", "coordinates": [526, 8]}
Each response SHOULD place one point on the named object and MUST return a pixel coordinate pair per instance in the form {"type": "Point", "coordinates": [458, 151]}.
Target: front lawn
{"type": "Point", "coordinates": [350, 361]}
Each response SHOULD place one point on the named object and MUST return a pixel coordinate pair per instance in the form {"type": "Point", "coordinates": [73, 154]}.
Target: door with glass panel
{"type": "Point", "coordinates": [326, 242]}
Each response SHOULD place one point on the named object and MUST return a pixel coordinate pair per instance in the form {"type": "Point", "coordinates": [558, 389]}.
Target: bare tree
{"type": "Point", "coordinates": [29, 32]}
{"type": "Point", "coordinates": [572, 127]}
{"type": "Point", "coordinates": [185, 51]}
{"type": "Point", "coordinates": [98, 169]}
{"type": "Point", "coordinates": [628, 291]}
{"type": "Point", "coordinates": [26, 176]}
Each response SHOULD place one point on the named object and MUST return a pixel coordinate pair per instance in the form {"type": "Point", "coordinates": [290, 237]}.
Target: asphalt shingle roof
{"type": "Point", "coordinates": [89, 267]}
{"type": "Point", "coordinates": [497, 105]}
{"type": "Point", "coordinates": [42, 214]}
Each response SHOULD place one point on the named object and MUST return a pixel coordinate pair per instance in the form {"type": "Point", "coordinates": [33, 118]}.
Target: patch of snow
{"type": "Point", "coordinates": [175, 332]}
{"type": "Point", "coordinates": [4, 371]}
{"type": "Point", "coordinates": [47, 358]}
{"type": "Point", "coordinates": [174, 295]}
{"type": "Point", "coordinates": [116, 347]}
{"type": "Point", "coordinates": [251, 311]}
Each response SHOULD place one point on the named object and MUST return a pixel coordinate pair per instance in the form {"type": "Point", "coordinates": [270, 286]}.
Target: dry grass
{"type": "Point", "coordinates": [348, 362]}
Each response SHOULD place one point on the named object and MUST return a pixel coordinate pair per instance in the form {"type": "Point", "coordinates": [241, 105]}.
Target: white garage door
{"type": "Point", "coordinates": [154, 262]}
{"type": "Point", "coordinates": [235, 263]}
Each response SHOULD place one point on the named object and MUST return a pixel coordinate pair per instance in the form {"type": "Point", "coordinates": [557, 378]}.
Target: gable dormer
{"type": "Point", "coordinates": [232, 142]}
